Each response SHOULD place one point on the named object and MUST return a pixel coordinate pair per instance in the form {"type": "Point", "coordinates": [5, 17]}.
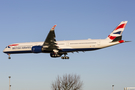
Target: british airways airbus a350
{"type": "Point", "coordinates": [59, 48]}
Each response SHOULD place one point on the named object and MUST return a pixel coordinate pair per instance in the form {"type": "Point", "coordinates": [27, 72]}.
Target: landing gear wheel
{"type": "Point", "coordinates": [9, 57]}
{"type": "Point", "coordinates": [65, 57]}
{"type": "Point", "coordinates": [62, 57]}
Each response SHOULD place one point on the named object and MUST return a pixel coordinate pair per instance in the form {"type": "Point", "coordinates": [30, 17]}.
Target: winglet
{"type": "Point", "coordinates": [53, 27]}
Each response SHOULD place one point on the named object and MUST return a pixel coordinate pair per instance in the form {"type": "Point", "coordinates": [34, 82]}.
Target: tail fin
{"type": "Point", "coordinates": [116, 35]}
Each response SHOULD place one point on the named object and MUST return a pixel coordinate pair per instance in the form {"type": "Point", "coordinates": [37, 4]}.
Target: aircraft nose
{"type": "Point", "coordinates": [4, 51]}
{"type": "Point", "coordinates": [7, 49]}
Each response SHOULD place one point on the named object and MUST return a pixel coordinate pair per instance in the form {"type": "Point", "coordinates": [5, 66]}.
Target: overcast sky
{"type": "Point", "coordinates": [31, 20]}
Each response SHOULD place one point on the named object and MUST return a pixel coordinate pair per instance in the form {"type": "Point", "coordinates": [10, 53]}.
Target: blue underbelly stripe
{"type": "Point", "coordinates": [81, 49]}
{"type": "Point", "coordinates": [15, 52]}
{"type": "Point", "coordinates": [63, 50]}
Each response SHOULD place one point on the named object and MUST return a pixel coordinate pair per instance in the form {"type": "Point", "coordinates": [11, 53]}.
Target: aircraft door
{"type": "Point", "coordinates": [98, 43]}
{"type": "Point", "coordinates": [67, 43]}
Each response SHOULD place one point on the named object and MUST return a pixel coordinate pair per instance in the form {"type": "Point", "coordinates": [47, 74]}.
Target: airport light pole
{"type": "Point", "coordinates": [112, 87]}
{"type": "Point", "coordinates": [9, 83]}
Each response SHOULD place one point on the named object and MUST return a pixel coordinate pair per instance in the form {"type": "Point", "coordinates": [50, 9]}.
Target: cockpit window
{"type": "Point", "coordinates": [7, 46]}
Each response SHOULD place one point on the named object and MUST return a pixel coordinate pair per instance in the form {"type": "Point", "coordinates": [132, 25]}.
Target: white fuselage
{"type": "Point", "coordinates": [59, 48]}
{"type": "Point", "coordinates": [64, 46]}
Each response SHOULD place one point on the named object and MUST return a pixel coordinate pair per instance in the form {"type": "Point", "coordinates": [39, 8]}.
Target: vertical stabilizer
{"type": "Point", "coordinates": [116, 35]}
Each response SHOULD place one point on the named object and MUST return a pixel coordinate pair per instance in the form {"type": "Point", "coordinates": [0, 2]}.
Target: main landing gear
{"type": "Point", "coordinates": [65, 57]}
{"type": "Point", "coordinates": [9, 56]}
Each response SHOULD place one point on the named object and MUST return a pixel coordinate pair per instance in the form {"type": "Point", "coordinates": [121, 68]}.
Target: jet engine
{"type": "Point", "coordinates": [36, 49]}
{"type": "Point", "coordinates": [55, 55]}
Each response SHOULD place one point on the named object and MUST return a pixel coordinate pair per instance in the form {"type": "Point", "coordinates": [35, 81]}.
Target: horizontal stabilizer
{"type": "Point", "coordinates": [127, 41]}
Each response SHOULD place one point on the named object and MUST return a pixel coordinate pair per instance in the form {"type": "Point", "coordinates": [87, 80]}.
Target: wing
{"type": "Point", "coordinates": [50, 41]}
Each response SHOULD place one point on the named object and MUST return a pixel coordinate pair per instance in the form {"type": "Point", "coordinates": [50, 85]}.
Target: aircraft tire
{"type": "Point", "coordinates": [66, 57]}
{"type": "Point", "coordinates": [9, 57]}
{"type": "Point", "coordinates": [62, 57]}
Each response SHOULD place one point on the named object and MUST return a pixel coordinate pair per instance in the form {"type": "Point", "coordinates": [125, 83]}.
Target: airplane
{"type": "Point", "coordinates": [59, 48]}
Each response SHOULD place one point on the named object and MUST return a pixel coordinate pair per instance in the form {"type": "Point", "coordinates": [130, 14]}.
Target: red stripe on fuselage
{"type": "Point", "coordinates": [13, 45]}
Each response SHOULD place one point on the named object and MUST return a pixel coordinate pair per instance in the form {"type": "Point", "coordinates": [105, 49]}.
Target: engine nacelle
{"type": "Point", "coordinates": [36, 49]}
{"type": "Point", "coordinates": [55, 55]}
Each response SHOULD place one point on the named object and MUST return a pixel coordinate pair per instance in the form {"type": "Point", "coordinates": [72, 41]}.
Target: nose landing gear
{"type": "Point", "coordinates": [9, 56]}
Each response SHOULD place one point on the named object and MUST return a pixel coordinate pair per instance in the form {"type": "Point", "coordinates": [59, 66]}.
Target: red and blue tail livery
{"type": "Point", "coordinates": [62, 48]}
{"type": "Point", "coordinates": [117, 31]}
